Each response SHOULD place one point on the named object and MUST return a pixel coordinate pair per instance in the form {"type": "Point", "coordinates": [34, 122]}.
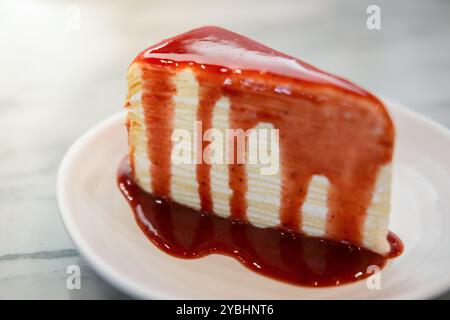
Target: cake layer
{"type": "Point", "coordinates": [263, 193]}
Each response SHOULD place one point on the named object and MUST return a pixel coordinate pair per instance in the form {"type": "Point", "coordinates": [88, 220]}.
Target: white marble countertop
{"type": "Point", "coordinates": [61, 75]}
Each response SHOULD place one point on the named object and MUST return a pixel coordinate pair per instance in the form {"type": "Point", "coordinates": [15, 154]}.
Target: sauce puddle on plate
{"type": "Point", "coordinates": [287, 256]}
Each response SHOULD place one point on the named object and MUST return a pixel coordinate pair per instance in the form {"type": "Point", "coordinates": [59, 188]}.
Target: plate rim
{"type": "Point", "coordinates": [139, 291]}
{"type": "Point", "coordinates": [105, 271]}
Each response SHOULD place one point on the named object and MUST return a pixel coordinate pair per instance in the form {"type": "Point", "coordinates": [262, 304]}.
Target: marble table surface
{"type": "Point", "coordinates": [63, 69]}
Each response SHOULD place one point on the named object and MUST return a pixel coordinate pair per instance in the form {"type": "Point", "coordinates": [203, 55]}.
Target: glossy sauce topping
{"type": "Point", "coordinates": [222, 51]}
{"type": "Point", "coordinates": [328, 126]}
{"type": "Point", "coordinates": [282, 255]}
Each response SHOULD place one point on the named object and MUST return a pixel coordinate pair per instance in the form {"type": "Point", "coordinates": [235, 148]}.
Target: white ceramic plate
{"type": "Point", "coordinates": [102, 225]}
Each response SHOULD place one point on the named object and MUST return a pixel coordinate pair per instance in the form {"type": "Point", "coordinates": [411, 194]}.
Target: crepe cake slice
{"type": "Point", "coordinates": [335, 141]}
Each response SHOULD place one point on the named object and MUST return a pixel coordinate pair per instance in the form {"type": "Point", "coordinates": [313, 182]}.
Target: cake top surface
{"type": "Point", "coordinates": [230, 52]}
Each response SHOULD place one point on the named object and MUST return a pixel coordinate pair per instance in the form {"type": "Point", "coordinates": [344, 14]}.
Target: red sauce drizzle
{"type": "Point", "coordinates": [157, 93]}
{"type": "Point", "coordinates": [237, 175]}
{"type": "Point", "coordinates": [209, 94]}
{"type": "Point", "coordinates": [328, 126]}
{"type": "Point", "coordinates": [283, 255]}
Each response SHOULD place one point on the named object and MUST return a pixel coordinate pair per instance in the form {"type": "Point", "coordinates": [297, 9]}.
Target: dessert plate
{"type": "Point", "coordinates": [102, 226]}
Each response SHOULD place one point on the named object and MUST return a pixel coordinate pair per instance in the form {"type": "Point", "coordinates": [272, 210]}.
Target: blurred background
{"type": "Point", "coordinates": [62, 70]}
